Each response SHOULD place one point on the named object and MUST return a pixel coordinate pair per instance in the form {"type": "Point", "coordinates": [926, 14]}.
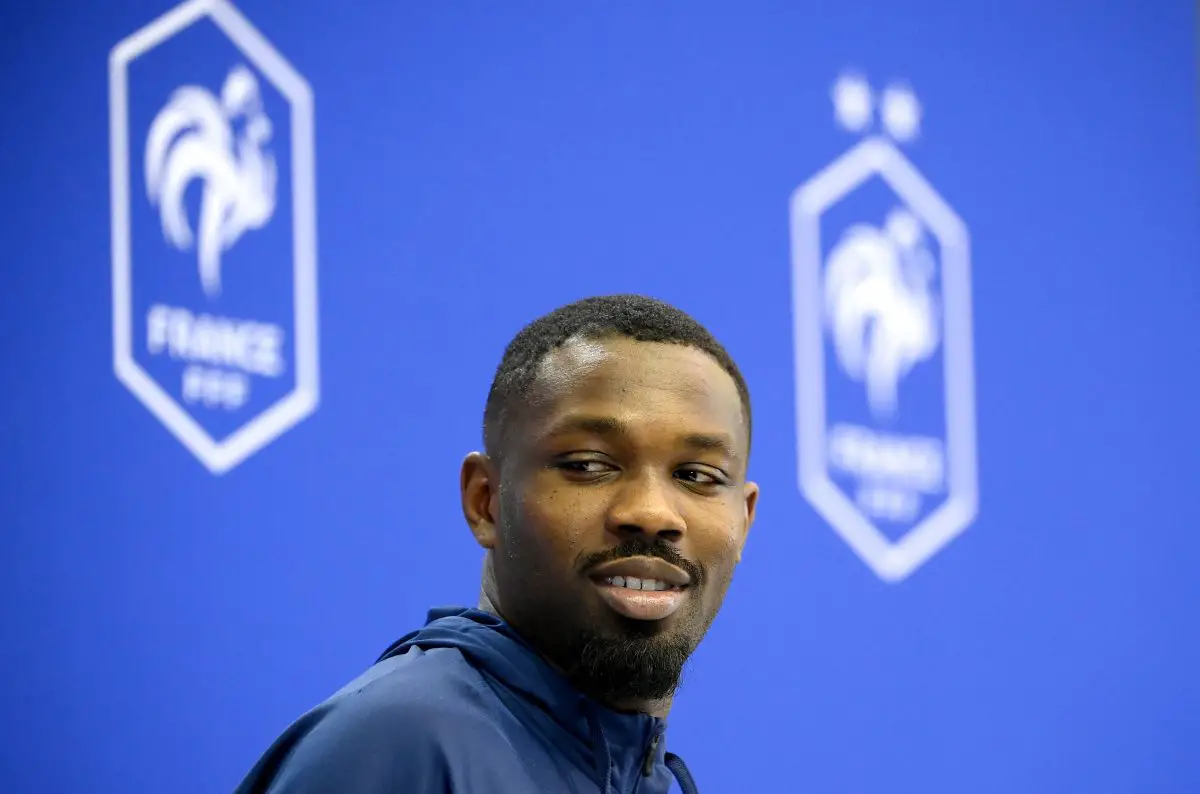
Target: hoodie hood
{"type": "Point", "coordinates": [620, 747]}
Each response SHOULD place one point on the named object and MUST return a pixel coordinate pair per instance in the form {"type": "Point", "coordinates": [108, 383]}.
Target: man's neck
{"type": "Point", "coordinates": [654, 708]}
{"type": "Point", "coordinates": [485, 605]}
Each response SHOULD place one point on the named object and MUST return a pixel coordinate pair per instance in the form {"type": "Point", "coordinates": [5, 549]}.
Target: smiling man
{"type": "Point", "coordinates": [612, 504]}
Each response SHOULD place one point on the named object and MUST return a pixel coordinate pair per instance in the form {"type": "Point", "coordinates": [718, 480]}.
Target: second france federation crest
{"type": "Point", "coordinates": [214, 239]}
{"type": "Point", "coordinates": [883, 353]}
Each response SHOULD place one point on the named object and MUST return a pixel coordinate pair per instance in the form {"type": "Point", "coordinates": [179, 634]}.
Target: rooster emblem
{"type": "Point", "coordinates": [194, 137]}
{"type": "Point", "coordinates": [878, 303]}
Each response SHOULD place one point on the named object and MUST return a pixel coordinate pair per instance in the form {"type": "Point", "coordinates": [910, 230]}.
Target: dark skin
{"type": "Point", "coordinates": [619, 442]}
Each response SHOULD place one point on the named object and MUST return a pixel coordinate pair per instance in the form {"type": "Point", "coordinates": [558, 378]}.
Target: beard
{"type": "Point", "coordinates": [615, 659]}
{"type": "Point", "coordinates": [608, 657]}
{"type": "Point", "coordinates": [632, 664]}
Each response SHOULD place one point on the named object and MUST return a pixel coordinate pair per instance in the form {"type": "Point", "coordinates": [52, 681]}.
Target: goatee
{"type": "Point", "coordinates": [633, 666]}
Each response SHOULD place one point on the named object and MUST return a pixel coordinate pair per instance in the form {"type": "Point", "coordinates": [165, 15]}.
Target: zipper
{"type": "Point", "coordinates": [648, 763]}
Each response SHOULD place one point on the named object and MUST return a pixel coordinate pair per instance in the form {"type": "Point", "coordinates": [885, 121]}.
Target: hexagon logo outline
{"type": "Point", "coordinates": [891, 561]}
{"type": "Point", "coordinates": [303, 399]}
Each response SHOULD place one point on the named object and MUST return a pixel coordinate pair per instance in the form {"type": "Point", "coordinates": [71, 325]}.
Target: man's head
{"type": "Point", "coordinates": [617, 432]}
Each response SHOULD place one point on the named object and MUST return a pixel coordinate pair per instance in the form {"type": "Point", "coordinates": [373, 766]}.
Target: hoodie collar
{"type": "Point", "coordinates": [613, 741]}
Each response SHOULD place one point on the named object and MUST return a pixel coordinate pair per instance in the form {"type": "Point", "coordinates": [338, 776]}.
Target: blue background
{"type": "Point", "coordinates": [480, 163]}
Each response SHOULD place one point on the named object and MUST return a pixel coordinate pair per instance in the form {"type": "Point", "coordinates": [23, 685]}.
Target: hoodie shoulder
{"type": "Point", "coordinates": [419, 722]}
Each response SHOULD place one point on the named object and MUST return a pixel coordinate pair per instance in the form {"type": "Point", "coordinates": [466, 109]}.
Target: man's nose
{"type": "Point", "coordinates": [645, 503]}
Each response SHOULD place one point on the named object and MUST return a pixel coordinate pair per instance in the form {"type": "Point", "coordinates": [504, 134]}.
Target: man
{"type": "Point", "coordinates": [613, 506]}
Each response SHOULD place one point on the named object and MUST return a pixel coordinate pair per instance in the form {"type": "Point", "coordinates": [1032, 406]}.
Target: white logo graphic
{"type": "Point", "coordinates": [220, 142]}
{"type": "Point", "coordinates": [887, 296]}
{"type": "Point", "coordinates": [878, 301]}
{"type": "Point", "coordinates": [192, 138]}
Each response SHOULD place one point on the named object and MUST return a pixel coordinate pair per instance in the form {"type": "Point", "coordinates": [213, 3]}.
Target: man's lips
{"type": "Point", "coordinates": [641, 588]}
{"type": "Point", "coordinates": [642, 568]}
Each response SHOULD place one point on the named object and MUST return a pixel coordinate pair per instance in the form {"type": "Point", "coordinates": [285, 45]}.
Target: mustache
{"type": "Point", "coordinates": [641, 546]}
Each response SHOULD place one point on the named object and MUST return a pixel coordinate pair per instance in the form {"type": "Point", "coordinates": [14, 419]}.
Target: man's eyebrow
{"type": "Point", "coordinates": [711, 442]}
{"type": "Point", "coordinates": [596, 425]}
{"type": "Point", "coordinates": [611, 427]}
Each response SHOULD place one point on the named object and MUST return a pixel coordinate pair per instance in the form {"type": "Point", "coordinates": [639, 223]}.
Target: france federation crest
{"type": "Point", "coordinates": [213, 231]}
{"type": "Point", "coordinates": [883, 343]}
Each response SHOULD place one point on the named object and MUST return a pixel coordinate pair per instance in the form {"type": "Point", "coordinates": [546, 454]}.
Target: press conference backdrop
{"type": "Point", "coordinates": [261, 261]}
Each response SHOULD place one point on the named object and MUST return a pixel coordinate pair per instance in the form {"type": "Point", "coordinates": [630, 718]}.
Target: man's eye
{"type": "Point", "coordinates": [583, 466]}
{"type": "Point", "coordinates": [700, 477]}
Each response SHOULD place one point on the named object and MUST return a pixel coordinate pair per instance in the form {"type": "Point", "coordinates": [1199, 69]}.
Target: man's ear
{"type": "Point", "coordinates": [750, 492]}
{"type": "Point", "coordinates": [479, 486]}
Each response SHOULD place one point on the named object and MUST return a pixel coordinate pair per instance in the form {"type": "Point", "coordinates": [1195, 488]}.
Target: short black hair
{"type": "Point", "coordinates": [636, 317]}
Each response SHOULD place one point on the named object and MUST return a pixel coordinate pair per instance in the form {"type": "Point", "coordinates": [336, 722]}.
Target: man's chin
{"type": "Point", "coordinates": [623, 628]}
{"type": "Point", "coordinates": [635, 663]}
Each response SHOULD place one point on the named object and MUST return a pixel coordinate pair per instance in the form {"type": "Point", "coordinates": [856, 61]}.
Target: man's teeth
{"type": "Point", "coordinates": [633, 583]}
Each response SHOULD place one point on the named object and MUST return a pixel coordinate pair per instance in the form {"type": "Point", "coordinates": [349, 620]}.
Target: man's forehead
{"type": "Point", "coordinates": [568, 362]}
{"type": "Point", "coordinates": [640, 375]}
{"type": "Point", "coordinates": [627, 362]}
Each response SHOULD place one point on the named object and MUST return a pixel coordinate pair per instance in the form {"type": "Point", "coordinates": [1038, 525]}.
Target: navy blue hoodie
{"type": "Point", "coordinates": [464, 705]}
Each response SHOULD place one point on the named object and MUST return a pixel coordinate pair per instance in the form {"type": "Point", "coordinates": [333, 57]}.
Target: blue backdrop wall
{"type": "Point", "coordinates": [247, 331]}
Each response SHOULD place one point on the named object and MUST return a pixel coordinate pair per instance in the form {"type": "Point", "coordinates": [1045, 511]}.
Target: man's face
{"type": "Point", "coordinates": [621, 512]}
